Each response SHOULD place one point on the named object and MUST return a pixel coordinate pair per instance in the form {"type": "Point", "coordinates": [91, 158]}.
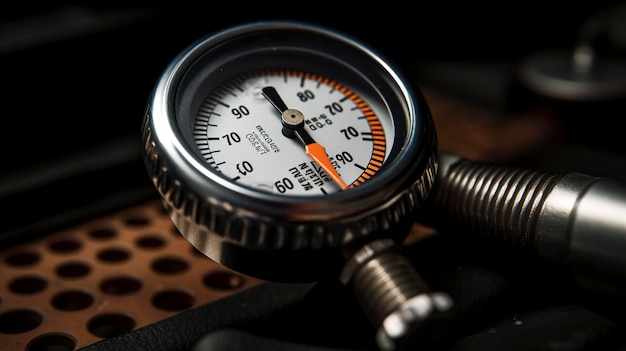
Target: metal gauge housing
{"type": "Point", "coordinates": [253, 197]}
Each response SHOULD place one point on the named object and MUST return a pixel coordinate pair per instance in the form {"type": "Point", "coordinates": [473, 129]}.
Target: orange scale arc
{"type": "Point", "coordinates": [379, 146]}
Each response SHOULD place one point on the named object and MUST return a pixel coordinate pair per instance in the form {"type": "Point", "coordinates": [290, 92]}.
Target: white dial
{"type": "Point", "coordinates": [239, 133]}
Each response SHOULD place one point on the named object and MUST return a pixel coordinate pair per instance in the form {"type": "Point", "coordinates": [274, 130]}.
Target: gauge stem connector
{"type": "Point", "coordinates": [574, 220]}
{"type": "Point", "coordinates": [396, 299]}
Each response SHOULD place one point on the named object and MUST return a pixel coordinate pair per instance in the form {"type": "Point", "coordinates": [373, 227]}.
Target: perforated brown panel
{"type": "Point", "coordinates": [104, 278]}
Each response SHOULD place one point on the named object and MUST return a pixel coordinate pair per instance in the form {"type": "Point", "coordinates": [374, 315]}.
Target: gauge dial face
{"type": "Point", "coordinates": [240, 135]}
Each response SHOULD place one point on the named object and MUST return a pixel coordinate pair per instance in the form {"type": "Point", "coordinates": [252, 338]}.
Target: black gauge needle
{"type": "Point", "coordinates": [293, 125]}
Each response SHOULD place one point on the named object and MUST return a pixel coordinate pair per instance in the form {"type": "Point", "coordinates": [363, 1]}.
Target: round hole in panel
{"type": "Point", "coordinates": [109, 325]}
{"type": "Point", "coordinates": [23, 258]}
{"type": "Point", "coordinates": [20, 320]}
{"type": "Point", "coordinates": [28, 284]}
{"type": "Point", "coordinates": [151, 241]}
{"type": "Point", "coordinates": [72, 300]}
{"type": "Point", "coordinates": [113, 255]}
{"type": "Point", "coordinates": [65, 245]}
{"type": "Point", "coordinates": [173, 300]}
{"type": "Point", "coordinates": [52, 342]}
{"type": "Point", "coordinates": [74, 269]}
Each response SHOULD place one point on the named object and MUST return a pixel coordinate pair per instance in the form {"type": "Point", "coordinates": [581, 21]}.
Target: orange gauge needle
{"type": "Point", "coordinates": [293, 126]}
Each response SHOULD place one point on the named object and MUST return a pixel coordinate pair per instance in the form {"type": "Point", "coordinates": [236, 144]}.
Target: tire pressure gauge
{"type": "Point", "coordinates": [279, 146]}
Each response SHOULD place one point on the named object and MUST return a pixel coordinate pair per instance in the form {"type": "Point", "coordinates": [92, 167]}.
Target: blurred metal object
{"type": "Point", "coordinates": [396, 299]}
{"type": "Point", "coordinates": [577, 76]}
{"type": "Point", "coordinates": [575, 220]}
{"type": "Point", "coordinates": [594, 70]}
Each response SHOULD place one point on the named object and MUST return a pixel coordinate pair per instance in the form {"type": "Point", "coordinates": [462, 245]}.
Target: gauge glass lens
{"type": "Point", "coordinates": [240, 134]}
